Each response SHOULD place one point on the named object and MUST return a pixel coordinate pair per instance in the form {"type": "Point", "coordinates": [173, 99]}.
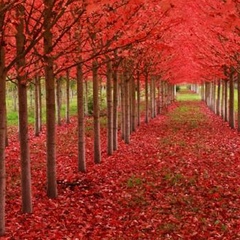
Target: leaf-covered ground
{"type": "Point", "coordinates": [178, 179]}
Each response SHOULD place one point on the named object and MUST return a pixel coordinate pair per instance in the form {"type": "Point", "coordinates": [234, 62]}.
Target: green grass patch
{"type": "Point", "coordinates": [134, 181]}
{"type": "Point", "coordinates": [187, 96]}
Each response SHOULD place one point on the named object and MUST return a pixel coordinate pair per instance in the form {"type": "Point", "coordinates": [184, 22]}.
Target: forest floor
{"type": "Point", "coordinates": [179, 178]}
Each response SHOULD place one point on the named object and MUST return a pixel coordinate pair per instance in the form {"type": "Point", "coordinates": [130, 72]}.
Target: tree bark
{"type": "Point", "coordinates": [67, 98]}
{"type": "Point", "coordinates": [226, 101]}
{"type": "Point", "coordinates": [115, 109]}
{"type": "Point", "coordinates": [126, 108]}
{"type": "Point", "coordinates": [50, 102]}
{"type": "Point", "coordinates": [238, 81]}
{"type": "Point", "coordinates": [122, 100]}
{"type": "Point", "coordinates": [81, 123]}
{"type": "Point", "coordinates": [138, 100]}
{"type": "Point", "coordinates": [59, 101]}
{"type": "Point", "coordinates": [23, 115]}
{"type": "Point", "coordinates": [133, 105]}
{"type": "Point", "coordinates": [86, 98]}
{"type": "Point", "coordinates": [146, 99]}
{"type": "Point", "coordinates": [6, 124]}
{"type": "Point", "coordinates": [37, 107]}
{"type": "Point", "coordinates": [231, 99]}
{"type": "Point", "coordinates": [223, 99]}
{"type": "Point", "coordinates": [15, 97]}
{"type": "Point", "coordinates": [40, 106]}
{"type": "Point", "coordinates": [202, 92]}
{"type": "Point", "coordinates": [2, 127]}
{"type": "Point", "coordinates": [96, 113]}
{"type": "Point", "coordinates": [218, 97]}
{"type": "Point", "coordinates": [159, 97]}
{"type": "Point", "coordinates": [109, 108]}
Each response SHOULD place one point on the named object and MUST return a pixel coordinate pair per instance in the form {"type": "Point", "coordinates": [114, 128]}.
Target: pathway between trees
{"type": "Point", "coordinates": [178, 179]}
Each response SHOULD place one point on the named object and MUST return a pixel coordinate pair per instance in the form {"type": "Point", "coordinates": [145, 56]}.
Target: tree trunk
{"type": "Point", "coordinates": [109, 109]}
{"type": "Point", "coordinates": [86, 98]}
{"type": "Point", "coordinates": [202, 92]}
{"type": "Point", "coordinates": [214, 97]}
{"type": "Point", "coordinates": [226, 101]}
{"type": "Point", "coordinates": [115, 109]}
{"type": "Point", "coordinates": [138, 100]}
{"type": "Point", "coordinates": [59, 101]}
{"type": "Point", "coordinates": [67, 98]}
{"type": "Point", "coordinates": [15, 97]}
{"type": "Point", "coordinates": [50, 102]}
{"type": "Point", "coordinates": [6, 124]}
{"type": "Point", "coordinates": [122, 100]}
{"type": "Point", "coordinates": [133, 105]}
{"type": "Point", "coordinates": [126, 108]}
{"type": "Point", "coordinates": [223, 100]}
{"type": "Point", "coordinates": [146, 99]}
{"type": "Point", "coordinates": [81, 125]}
{"type": "Point", "coordinates": [206, 92]}
{"type": "Point", "coordinates": [153, 97]}
{"type": "Point", "coordinates": [97, 144]}
{"type": "Point", "coordinates": [159, 98]}
{"type": "Point", "coordinates": [2, 127]}
{"type": "Point", "coordinates": [231, 99]}
{"type": "Point", "coordinates": [23, 116]}
{"type": "Point", "coordinates": [37, 107]}
{"type": "Point", "coordinates": [218, 97]}
{"type": "Point", "coordinates": [31, 96]}
{"type": "Point", "coordinates": [238, 81]}
{"type": "Point", "coordinates": [40, 105]}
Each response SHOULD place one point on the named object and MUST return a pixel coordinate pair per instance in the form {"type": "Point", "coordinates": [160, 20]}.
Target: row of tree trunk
{"type": "Point", "coordinates": [125, 98]}
{"type": "Point", "coordinates": [219, 97]}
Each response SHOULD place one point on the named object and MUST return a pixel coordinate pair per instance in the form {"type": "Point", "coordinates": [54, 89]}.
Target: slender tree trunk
{"type": "Point", "coordinates": [222, 100]}
{"type": "Point", "coordinates": [211, 96]}
{"type": "Point", "coordinates": [15, 97]}
{"type": "Point", "coordinates": [109, 108]}
{"type": "Point", "coordinates": [226, 101]}
{"type": "Point", "coordinates": [162, 95]}
{"type": "Point", "coordinates": [122, 99]}
{"type": "Point", "coordinates": [40, 106]}
{"type": "Point", "coordinates": [151, 96]}
{"type": "Point", "coordinates": [115, 109]}
{"type": "Point", "coordinates": [2, 140]}
{"type": "Point", "coordinates": [37, 108]}
{"type": "Point", "coordinates": [146, 99]}
{"type": "Point", "coordinates": [127, 108]}
{"type": "Point", "coordinates": [159, 98]}
{"type": "Point", "coordinates": [202, 92]}
{"type": "Point", "coordinates": [97, 145]}
{"type": "Point", "coordinates": [206, 92]}
{"type": "Point", "coordinates": [6, 124]}
{"type": "Point", "coordinates": [67, 98]}
{"type": "Point", "coordinates": [23, 116]}
{"type": "Point", "coordinates": [31, 96]}
{"type": "Point", "coordinates": [133, 105]}
{"type": "Point", "coordinates": [214, 97]}
{"type": "Point", "coordinates": [50, 102]}
{"type": "Point", "coordinates": [231, 99]}
{"type": "Point", "coordinates": [59, 101]}
{"type": "Point", "coordinates": [238, 81]}
{"type": "Point", "coordinates": [86, 98]}
{"type": "Point", "coordinates": [138, 100]}
{"type": "Point", "coordinates": [218, 97]}
{"type": "Point", "coordinates": [2, 126]}
{"type": "Point", "coordinates": [153, 100]}
{"type": "Point", "coordinates": [81, 124]}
